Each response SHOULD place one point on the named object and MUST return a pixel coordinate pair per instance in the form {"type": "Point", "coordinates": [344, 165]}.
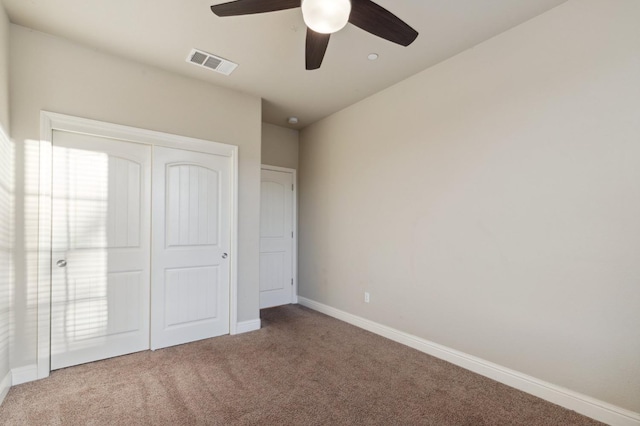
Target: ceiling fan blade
{"type": "Point", "coordinates": [316, 46]}
{"type": "Point", "coordinates": [377, 20]}
{"type": "Point", "coordinates": [248, 7]}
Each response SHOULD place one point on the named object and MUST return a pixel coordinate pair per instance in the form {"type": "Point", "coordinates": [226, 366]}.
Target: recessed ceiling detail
{"type": "Point", "coordinates": [212, 62]}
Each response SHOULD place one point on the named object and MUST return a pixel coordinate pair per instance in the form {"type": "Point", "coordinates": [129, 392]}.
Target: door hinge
{"type": "Point", "coordinates": [291, 234]}
{"type": "Point", "coordinates": [291, 281]}
{"type": "Point", "coordinates": [292, 187]}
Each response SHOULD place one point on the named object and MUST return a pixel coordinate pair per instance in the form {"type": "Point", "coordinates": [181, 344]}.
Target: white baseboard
{"type": "Point", "coordinates": [25, 374]}
{"type": "Point", "coordinates": [583, 404]}
{"type": "Point", "coordinates": [5, 385]}
{"type": "Point", "coordinates": [247, 326]}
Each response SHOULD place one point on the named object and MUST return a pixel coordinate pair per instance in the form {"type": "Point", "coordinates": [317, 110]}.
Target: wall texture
{"type": "Point", "coordinates": [279, 146]}
{"type": "Point", "coordinates": [491, 202]}
{"type": "Point", "coordinates": [52, 74]}
{"type": "Point", "coordinates": [6, 206]}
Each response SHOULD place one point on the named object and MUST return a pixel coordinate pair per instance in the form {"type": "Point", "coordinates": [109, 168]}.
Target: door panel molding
{"type": "Point", "coordinates": [50, 121]}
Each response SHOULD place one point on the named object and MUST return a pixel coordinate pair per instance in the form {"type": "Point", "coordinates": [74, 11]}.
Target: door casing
{"type": "Point", "coordinates": [50, 121]}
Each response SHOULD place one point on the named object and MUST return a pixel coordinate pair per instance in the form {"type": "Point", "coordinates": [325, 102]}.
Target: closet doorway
{"type": "Point", "coordinates": [138, 230]}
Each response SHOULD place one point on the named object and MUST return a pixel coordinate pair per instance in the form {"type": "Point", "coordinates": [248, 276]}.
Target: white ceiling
{"type": "Point", "coordinates": [269, 48]}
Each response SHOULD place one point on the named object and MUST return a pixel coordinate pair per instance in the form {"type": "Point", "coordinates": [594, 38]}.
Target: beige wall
{"type": "Point", "coordinates": [491, 203]}
{"type": "Point", "coordinates": [51, 74]}
{"type": "Point", "coordinates": [4, 69]}
{"type": "Point", "coordinates": [279, 146]}
{"type": "Point", "coordinates": [6, 252]}
{"type": "Point", "coordinates": [6, 195]}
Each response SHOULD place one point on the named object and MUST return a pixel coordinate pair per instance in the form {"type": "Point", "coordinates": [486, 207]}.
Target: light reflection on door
{"type": "Point", "coordinates": [79, 239]}
{"type": "Point", "coordinates": [100, 248]}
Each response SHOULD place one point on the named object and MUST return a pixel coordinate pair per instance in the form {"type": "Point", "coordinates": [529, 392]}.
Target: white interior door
{"type": "Point", "coordinates": [100, 248]}
{"type": "Point", "coordinates": [191, 243]}
{"type": "Point", "coordinates": [276, 238]}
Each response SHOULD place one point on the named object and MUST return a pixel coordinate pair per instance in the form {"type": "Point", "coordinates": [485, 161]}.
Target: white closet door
{"type": "Point", "coordinates": [276, 238]}
{"type": "Point", "coordinates": [191, 242]}
{"type": "Point", "coordinates": [100, 247]}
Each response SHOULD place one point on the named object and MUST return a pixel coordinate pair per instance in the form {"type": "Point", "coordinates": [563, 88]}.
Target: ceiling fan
{"type": "Point", "coordinates": [324, 17]}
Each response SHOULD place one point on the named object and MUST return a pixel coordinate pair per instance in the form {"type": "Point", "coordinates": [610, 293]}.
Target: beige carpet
{"type": "Point", "coordinates": [301, 368]}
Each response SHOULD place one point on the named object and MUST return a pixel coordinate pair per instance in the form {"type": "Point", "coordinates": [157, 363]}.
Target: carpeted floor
{"type": "Point", "coordinates": [301, 368]}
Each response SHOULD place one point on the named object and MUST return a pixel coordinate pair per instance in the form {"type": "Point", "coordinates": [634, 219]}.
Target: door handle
{"type": "Point", "coordinates": [61, 263]}
{"type": "Point", "coordinates": [224, 255]}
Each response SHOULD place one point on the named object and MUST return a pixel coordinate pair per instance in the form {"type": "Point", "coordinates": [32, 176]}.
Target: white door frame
{"type": "Point", "coordinates": [294, 299]}
{"type": "Point", "coordinates": [50, 121]}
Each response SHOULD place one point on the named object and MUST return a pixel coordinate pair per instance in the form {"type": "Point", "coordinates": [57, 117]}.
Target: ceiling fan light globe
{"type": "Point", "coordinates": [326, 16]}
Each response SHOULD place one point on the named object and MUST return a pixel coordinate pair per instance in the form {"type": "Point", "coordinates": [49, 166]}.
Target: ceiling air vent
{"type": "Point", "coordinates": [212, 62]}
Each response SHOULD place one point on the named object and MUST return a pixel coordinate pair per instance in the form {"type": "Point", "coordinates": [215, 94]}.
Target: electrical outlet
{"type": "Point", "coordinates": [366, 297]}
